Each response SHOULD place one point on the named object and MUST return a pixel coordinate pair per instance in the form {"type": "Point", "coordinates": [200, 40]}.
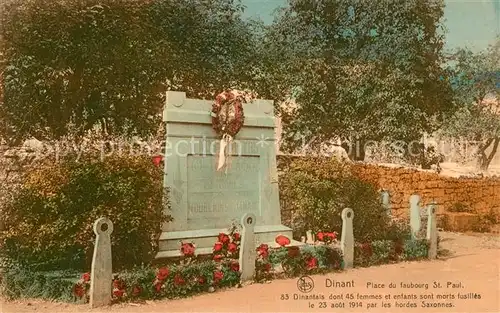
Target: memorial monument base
{"type": "Point", "coordinates": [204, 239]}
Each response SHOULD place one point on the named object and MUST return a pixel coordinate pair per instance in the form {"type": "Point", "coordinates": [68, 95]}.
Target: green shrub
{"type": "Point", "coordinates": [328, 257]}
{"type": "Point", "coordinates": [137, 283]}
{"type": "Point", "coordinates": [20, 282]}
{"type": "Point", "coordinates": [382, 251]}
{"type": "Point", "coordinates": [398, 230]}
{"type": "Point", "coordinates": [486, 221]}
{"type": "Point", "coordinates": [389, 251]}
{"type": "Point", "coordinates": [182, 281]}
{"type": "Point", "coordinates": [305, 259]}
{"type": "Point", "coordinates": [141, 277]}
{"type": "Point", "coordinates": [416, 249]}
{"type": "Point", "coordinates": [374, 253]}
{"type": "Point", "coordinates": [192, 274]}
{"type": "Point", "coordinates": [50, 217]}
{"type": "Point", "coordinates": [316, 190]}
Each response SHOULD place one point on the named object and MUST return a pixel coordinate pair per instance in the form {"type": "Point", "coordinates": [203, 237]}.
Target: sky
{"type": "Point", "coordinates": [473, 24]}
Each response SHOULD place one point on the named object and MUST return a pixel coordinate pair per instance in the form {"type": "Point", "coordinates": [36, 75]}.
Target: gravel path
{"type": "Point", "coordinates": [459, 243]}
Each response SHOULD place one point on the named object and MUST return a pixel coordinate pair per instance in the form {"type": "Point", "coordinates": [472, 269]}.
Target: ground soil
{"type": "Point", "coordinates": [473, 261]}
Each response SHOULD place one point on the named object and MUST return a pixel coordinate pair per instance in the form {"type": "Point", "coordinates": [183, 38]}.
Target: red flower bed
{"type": "Point", "coordinates": [192, 274]}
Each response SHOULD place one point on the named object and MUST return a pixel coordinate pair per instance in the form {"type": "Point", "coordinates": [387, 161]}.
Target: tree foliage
{"type": "Point", "coordinates": [71, 65]}
{"type": "Point", "coordinates": [476, 80]}
{"type": "Point", "coordinates": [365, 69]}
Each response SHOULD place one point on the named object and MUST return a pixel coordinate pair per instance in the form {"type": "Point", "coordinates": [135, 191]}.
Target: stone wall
{"type": "Point", "coordinates": [480, 194]}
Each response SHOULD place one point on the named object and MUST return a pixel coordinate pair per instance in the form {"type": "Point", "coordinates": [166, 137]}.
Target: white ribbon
{"type": "Point", "coordinates": [224, 142]}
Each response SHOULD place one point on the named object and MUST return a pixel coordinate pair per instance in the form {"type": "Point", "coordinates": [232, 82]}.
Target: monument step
{"type": "Point", "coordinates": [208, 250]}
{"type": "Point", "coordinates": [200, 233]}
{"type": "Point", "coordinates": [205, 239]}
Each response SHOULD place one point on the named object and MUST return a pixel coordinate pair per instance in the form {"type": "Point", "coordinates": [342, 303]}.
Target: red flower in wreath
{"type": "Point", "coordinates": [236, 237]}
{"type": "Point", "coordinates": [320, 236]}
{"type": "Point", "coordinates": [218, 257]}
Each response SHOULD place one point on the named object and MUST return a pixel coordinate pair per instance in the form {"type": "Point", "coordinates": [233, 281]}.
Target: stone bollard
{"type": "Point", "coordinates": [415, 219]}
{"type": "Point", "coordinates": [310, 238]}
{"type": "Point", "coordinates": [102, 271]}
{"type": "Point", "coordinates": [432, 230]}
{"type": "Point", "coordinates": [386, 201]}
{"type": "Point", "coordinates": [347, 239]}
{"type": "Point", "coordinates": [248, 253]}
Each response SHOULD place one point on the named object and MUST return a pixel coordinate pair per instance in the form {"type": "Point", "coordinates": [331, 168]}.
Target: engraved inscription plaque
{"type": "Point", "coordinates": [215, 194]}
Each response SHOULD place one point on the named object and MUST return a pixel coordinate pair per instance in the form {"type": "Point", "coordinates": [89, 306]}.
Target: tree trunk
{"type": "Point", "coordinates": [483, 159]}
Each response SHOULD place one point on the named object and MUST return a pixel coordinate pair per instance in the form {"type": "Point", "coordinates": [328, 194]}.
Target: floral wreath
{"type": "Point", "coordinates": [227, 112]}
{"type": "Point", "coordinates": [228, 118]}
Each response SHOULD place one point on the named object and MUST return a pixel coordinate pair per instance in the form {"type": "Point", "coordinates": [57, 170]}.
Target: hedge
{"type": "Point", "coordinates": [50, 217]}
{"type": "Point", "coordinates": [316, 190]}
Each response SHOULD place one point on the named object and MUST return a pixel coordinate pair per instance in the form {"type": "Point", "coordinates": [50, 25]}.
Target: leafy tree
{"type": "Point", "coordinates": [477, 92]}
{"type": "Point", "coordinates": [71, 65]}
{"type": "Point", "coordinates": [363, 70]}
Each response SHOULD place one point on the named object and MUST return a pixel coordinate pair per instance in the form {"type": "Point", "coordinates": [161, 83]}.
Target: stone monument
{"type": "Point", "coordinates": [205, 201]}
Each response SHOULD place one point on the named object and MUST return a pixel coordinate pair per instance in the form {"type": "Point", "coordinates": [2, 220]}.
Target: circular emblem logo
{"type": "Point", "coordinates": [305, 284]}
